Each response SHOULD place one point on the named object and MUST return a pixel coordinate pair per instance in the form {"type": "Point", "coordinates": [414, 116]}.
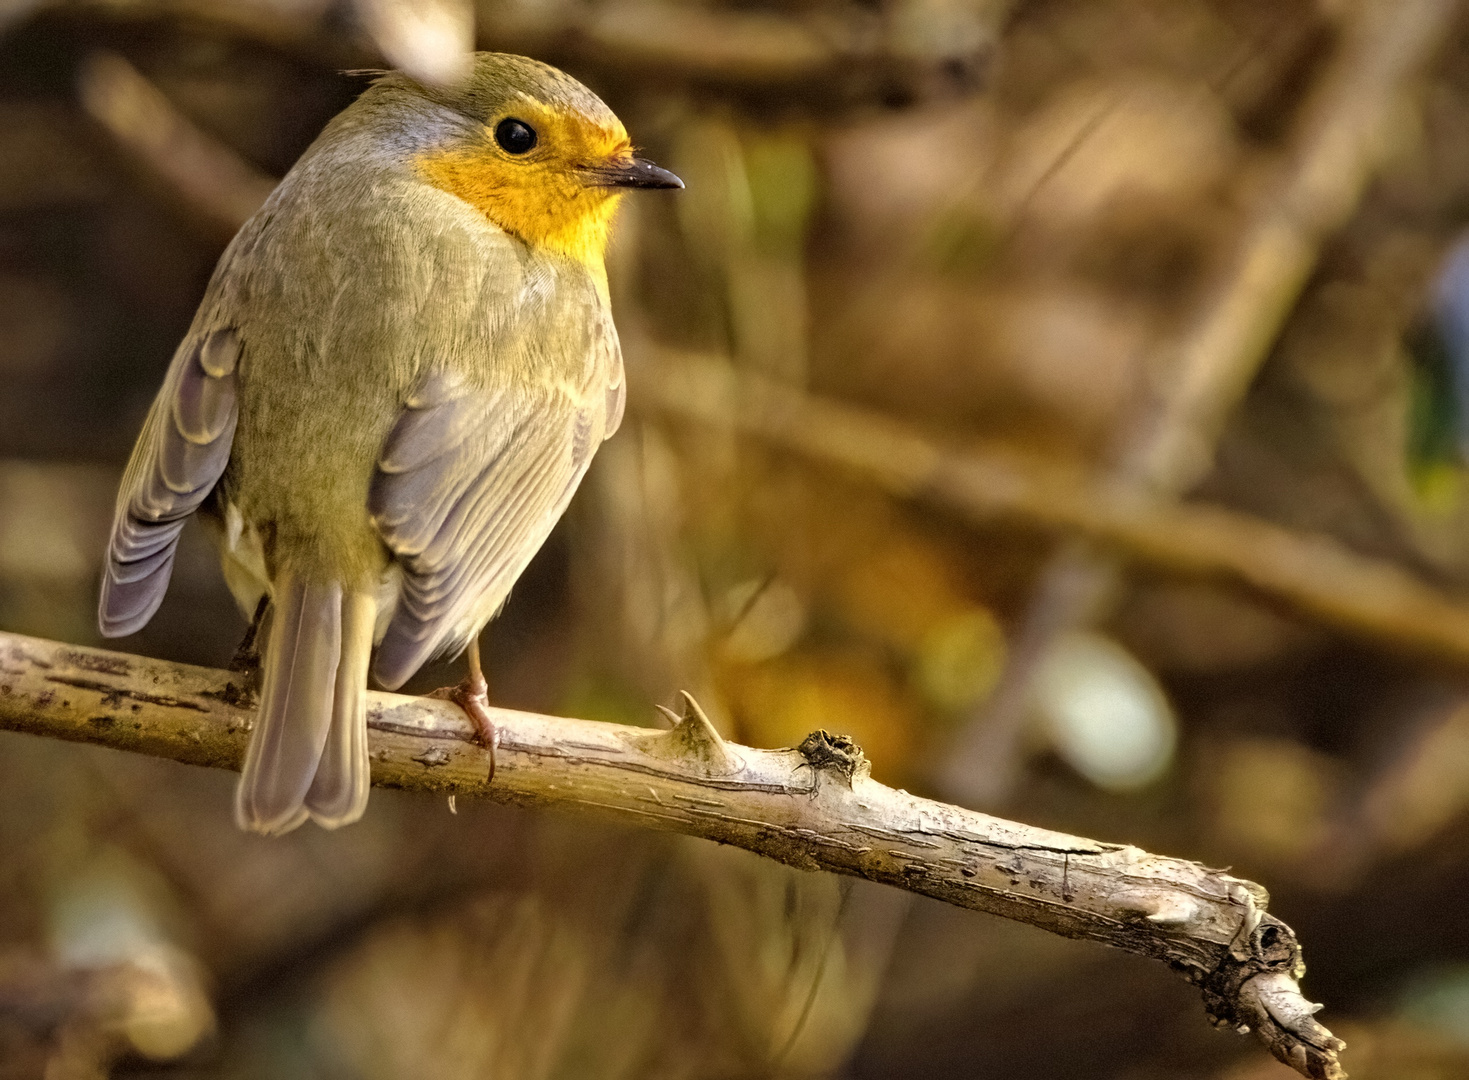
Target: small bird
{"type": "Point", "coordinates": [397, 378]}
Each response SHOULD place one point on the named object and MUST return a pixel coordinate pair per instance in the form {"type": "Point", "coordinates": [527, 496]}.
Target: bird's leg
{"type": "Point", "coordinates": [247, 656]}
{"type": "Point", "coordinates": [246, 661]}
{"type": "Point", "coordinates": [473, 696]}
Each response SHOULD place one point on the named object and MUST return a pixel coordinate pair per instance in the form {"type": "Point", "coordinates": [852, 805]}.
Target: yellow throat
{"type": "Point", "coordinates": [547, 198]}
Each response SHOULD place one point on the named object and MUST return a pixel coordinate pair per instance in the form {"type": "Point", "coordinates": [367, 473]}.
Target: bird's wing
{"type": "Point", "coordinates": [179, 457]}
{"type": "Point", "coordinates": [467, 488]}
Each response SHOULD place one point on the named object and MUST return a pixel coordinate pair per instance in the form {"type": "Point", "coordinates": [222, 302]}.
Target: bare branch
{"type": "Point", "coordinates": [1345, 133]}
{"type": "Point", "coordinates": [838, 57]}
{"type": "Point", "coordinates": [432, 40]}
{"type": "Point", "coordinates": [1340, 142]}
{"type": "Point", "coordinates": [211, 180]}
{"type": "Point", "coordinates": [1384, 602]}
{"type": "Point", "coordinates": [1314, 573]}
{"type": "Point", "coordinates": [814, 807]}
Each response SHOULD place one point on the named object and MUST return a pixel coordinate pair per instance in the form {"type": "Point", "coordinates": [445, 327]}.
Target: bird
{"type": "Point", "coordinates": [398, 375]}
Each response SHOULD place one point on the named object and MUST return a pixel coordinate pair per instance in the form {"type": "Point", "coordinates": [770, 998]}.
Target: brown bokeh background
{"type": "Point", "coordinates": [999, 225]}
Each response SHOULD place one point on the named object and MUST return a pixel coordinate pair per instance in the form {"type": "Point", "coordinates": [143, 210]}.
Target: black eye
{"type": "Point", "coordinates": [515, 136]}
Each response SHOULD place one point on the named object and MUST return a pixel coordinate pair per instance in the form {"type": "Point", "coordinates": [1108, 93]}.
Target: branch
{"type": "Point", "coordinates": [1308, 572]}
{"type": "Point", "coordinates": [1313, 573]}
{"type": "Point", "coordinates": [1339, 143]}
{"type": "Point", "coordinates": [1345, 133]}
{"type": "Point", "coordinates": [813, 807]}
{"type": "Point", "coordinates": [843, 56]}
{"type": "Point", "coordinates": [209, 178]}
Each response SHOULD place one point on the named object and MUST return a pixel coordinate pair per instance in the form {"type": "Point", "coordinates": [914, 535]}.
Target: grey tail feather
{"type": "Point", "coordinates": [308, 754]}
{"type": "Point", "coordinates": [338, 794]}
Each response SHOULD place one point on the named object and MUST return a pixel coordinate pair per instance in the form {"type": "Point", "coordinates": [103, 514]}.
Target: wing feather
{"type": "Point", "coordinates": [179, 457]}
{"type": "Point", "coordinates": [469, 484]}
{"type": "Point", "coordinates": [616, 398]}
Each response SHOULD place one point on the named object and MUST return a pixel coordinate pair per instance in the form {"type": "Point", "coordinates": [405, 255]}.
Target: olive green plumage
{"type": "Point", "coordinates": [396, 379]}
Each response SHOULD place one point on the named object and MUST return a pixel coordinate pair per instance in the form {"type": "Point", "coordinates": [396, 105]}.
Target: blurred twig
{"type": "Point", "coordinates": [841, 54]}
{"type": "Point", "coordinates": [814, 807]}
{"type": "Point", "coordinates": [833, 55]}
{"type": "Point", "coordinates": [430, 39]}
{"type": "Point", "coordinates": [211, 179]}
{"type": "Point", "coordinates": [1340, 140]}
{"type": "Point", "coordinates": [1314, 573]}
{"type": "Point", "coordinates": [279, 23]}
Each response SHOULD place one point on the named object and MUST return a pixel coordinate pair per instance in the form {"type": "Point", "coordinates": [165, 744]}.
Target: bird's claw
{"type": "Point", "coordinates": [472, 695]}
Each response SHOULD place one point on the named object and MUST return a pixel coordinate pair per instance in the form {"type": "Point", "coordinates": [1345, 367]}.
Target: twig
{"type": "Point", "coordinates": [1313, 573]}
{"type": "Point", "coordinates": [841, 56]}
{"type": "Point", "coordinates": [296, 25]}
{"type": "Point", "coordinates": [210, 178]}
{"type": "Point", "coordinates": [1345, 132]}
{"type": "Point", "coordinates": [844, 55]}
{"type": "Point", "coordinates": [813, 807]}
{"type": "Point", "coordinates": [1337, 148]}
{"type": "Point", "coordinates": [429, 39]}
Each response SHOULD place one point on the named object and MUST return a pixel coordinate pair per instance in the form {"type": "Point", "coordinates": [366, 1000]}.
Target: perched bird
{"type": "Point", "coordinates": [398, 375]}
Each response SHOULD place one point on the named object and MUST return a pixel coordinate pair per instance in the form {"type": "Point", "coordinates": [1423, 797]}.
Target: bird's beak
{"type": "Point", "coordinates": [638, 173]}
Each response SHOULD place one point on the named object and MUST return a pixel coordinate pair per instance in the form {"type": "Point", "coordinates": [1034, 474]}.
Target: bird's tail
{"type": "Point", "coordinates": [308, 754]}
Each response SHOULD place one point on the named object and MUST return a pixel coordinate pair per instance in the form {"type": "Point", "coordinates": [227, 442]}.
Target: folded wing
{"type": "Point", "coordinates": [179, 457]}
{"type": "Point", "coordinates": [468, 487]}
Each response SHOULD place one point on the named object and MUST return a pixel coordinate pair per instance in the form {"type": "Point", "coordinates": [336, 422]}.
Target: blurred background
{"type": "Point", "coordinates": [1068, 399]}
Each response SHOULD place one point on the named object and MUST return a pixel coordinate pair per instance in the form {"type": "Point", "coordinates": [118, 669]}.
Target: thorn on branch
{"type": "Point", "coordinates": [692, 738]}
{"type": "Point", "coordinates": [1162, 907]}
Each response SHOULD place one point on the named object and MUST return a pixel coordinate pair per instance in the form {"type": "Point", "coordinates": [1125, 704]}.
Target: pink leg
{"type": "Point", "coordinates": [472, 695]}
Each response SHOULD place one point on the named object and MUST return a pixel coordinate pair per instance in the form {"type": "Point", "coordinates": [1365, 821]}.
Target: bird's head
{"type": "Point", "coordinates": [540, 155]}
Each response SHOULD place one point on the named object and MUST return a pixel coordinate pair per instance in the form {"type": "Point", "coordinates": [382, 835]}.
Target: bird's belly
{"type": "Point", "coordinates": [299, 475]}
{"type": "Point", "coordinates": [242, 560]}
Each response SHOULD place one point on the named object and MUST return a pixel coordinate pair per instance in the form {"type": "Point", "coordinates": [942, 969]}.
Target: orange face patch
{"type": "Point", "coordinates": [546, 196]}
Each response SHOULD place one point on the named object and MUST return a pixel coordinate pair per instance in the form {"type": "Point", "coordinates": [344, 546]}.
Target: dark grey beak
{"type": "Point", "coordinates": [641, 173]}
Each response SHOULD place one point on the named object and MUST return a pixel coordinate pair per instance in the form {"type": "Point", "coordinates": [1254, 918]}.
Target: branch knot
{"type": "Point", "coordinates": [1255, 986]}
{"type": "Point", "coordinates": [840, 754]}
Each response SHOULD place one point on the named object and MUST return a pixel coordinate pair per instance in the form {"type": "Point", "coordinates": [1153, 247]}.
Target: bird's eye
{"type": "Point", "coordinates": [515, 136]}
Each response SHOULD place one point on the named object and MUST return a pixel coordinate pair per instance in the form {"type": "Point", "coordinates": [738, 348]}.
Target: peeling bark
{"type": "Point", "coordinates": [814, 807]}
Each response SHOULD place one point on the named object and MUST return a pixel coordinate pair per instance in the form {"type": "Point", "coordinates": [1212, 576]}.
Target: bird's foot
{"type": "Point", "coordinates": [473, 696]}
{"type": "Point", "coordinates": [243, 689]}
{"type": "Point", "coordinates": [247, 657]}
